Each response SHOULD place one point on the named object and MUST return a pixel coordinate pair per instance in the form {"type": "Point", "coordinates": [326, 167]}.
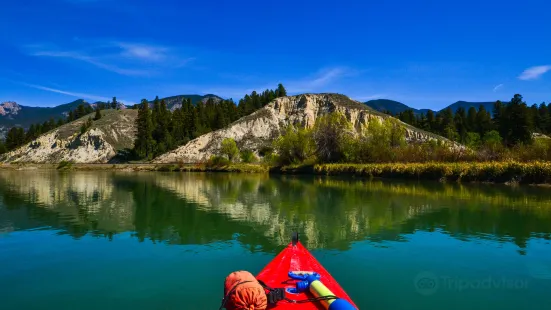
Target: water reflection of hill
{"type": "Point", "coordinates": [261, 212]}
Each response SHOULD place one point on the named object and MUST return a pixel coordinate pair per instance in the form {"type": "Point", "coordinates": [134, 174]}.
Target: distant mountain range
{"type": "Point", "coordinates": [14, 114]}
{"type": "Point", "coordinates": [175, 102]}
{"type": "Point", "coordinates": [395, 107]}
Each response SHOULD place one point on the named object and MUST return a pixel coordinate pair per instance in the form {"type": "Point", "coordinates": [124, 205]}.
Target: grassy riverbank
{"type": "Point", "coordinates": [510, 172]}
{"type": "Point", "coordinates": [495, 172]}
{"type": "Point", "coordinates": [64, 166]}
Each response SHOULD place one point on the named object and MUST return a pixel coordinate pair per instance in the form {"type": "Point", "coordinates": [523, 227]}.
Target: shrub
{"type": "Point", "coordinates": [472, 140]}
{"type": "Point", "coordinates": [270, 158]}
{"type": "Point", "coordinates": [294, 146]}
{"type": "Point", "coordinates": [247, 156]}
{"type": "Point", "coordinates": [379, 141]}
{"type": "Point", "coordinates": [265, 150]}
{"type": "Point", "coordinates": [331, 135]}
{"type": "Point", "coordinates": [229, 149]}
{"type": "Point", "coordinates": [217, 161]}
{"type": "Point", "coordinates": [86, 125]}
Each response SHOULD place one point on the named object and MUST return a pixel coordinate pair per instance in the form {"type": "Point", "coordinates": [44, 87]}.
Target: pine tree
{"type": "Point", "coordinates": [144, 145]}
{"type": "Point", "coordinates": [472, 126]}
{"type": "Point", "coordinates": [31, 133]}
{"type": "Point", "coordinates": [39, 129]}
{"type": "Point", "coordinates": [71, 116]}
{"type": "Point", "coordinates": [80, 111]}
{"type": "Point", "coordinates": [423, 122]}
{"type": "Point", "coordinates": [545, 118]}
{"type": "Point", "coordinates": [281, 91]}
{"type": "Point", "coordinates": [459, 120]}
{"type": "Point", "coordinates": [496, 119]}
{"type": "Point", "coordinates": [161, 133]}
{"type": "Point", "coordinates": [51, 123]}
{"type": "Point", "coordinates": [189, 116]}
{"type": "Point", "coordinates": [179, 133]}
{"type": "Point", "coordinates": [114, 104]}
{"type": "Point", "coordinates": [483, 121]}
{"type": "Point", "coordinates": [407, 116]}
{"type": "Point", "coordinates": [534, 116]}
{"type": "Point", "coordinates": [98, 114]}
{"type": "Point", "coordinates": [15, 137]}
{"type": "Point", "coordinates": [431, 121]}
{"type": "Point", "coordinates": [516, 122]}
{"type": "Point", "coordinates": [446, 121]}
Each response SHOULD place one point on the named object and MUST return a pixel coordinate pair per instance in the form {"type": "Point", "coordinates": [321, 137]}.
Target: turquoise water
{"type": "Point", "coordinates": [89, 240]}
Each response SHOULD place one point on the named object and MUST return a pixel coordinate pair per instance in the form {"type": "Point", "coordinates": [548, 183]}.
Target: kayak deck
{"type": "Point", "coordinates": [298, 258]}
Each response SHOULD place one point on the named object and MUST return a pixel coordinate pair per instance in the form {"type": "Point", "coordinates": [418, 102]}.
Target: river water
{"type": "Point", "coordinates": [127, 240]}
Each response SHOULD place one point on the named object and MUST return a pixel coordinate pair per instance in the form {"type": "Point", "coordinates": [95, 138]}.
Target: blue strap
{"type": "Point", "coordinates": [304, 281]}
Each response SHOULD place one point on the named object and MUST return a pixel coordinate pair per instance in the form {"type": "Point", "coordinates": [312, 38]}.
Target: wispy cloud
{"type": "Point", "coordinates": [369, 97]}
{"type": "Point", "coordinates": [497, 87]}
{"type": "Point", "coordinates": [91, 60]}
{"type": "Point", "coordinates": [76, 94]}
{"type": "Point", "coordinates": [131, 59]}
{"type": "Point", "coordinates": [319, 80]}
{"type": "Point", "coordinates": [143, 51]}
{"type": "Point", "coordinates": [533, 73]}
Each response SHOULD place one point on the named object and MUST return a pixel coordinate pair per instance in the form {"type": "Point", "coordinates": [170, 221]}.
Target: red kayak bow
{"type": "Point", "coordinates": [296, 258]}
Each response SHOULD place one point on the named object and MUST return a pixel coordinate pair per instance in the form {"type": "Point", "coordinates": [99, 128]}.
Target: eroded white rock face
{"type": "Point", "coordinates": [116, 130]}
{"type": "Point", "coordinates": [262, 127]}
{"type": "Point", "coordinates": [89, 147]}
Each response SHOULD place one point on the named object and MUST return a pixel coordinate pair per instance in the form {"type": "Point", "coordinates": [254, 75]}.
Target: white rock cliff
{"type": "Point", "coordinates": [262, 127]}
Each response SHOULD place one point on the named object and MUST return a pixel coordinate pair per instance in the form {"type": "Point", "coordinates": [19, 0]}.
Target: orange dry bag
{"type": "Point", "coordinates": [243, 292]}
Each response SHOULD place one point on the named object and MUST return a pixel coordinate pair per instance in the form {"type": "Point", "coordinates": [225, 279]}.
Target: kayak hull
{"type": "Point", "coordinates": [295, 257]}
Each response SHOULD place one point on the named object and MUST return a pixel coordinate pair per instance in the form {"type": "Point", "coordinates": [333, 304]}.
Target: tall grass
{"type": "Point", "coordinates": [535, 172]}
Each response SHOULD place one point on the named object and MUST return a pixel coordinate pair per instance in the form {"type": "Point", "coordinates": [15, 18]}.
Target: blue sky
{"type": "Point", "coordinates": [426, 54]}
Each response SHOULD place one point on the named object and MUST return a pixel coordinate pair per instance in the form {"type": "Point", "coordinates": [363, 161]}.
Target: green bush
{"type": "Point", "coordinates": [294, 146]}
{"type": "Point", "coordinates": [247, 156]}
{"type": "Point", "coordinates": [229, 149]}
{"type": "Point", "coordinates": [217, 161]}
{"type": "Point", "coordinates": [332, 134]}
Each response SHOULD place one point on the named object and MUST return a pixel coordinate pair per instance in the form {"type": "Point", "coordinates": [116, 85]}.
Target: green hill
{"type": "Point", "coordinates": [394, 107]}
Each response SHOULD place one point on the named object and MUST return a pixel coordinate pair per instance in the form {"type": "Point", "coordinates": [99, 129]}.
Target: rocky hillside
{"type": "Point", "coordinates": [107, 137]}
{"type": "Point", "coordinates": [262, 127]}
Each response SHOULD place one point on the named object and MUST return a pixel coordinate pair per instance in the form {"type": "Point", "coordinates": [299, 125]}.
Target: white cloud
{"type": "Point", "coordinates": [498, 87]}
{"type": "Point", "coordinates": [76, 94]}
{"type": "Point", "coordinates": [93, 61]}
{"type": "Point", "coordinates": [533, 73]}
{"type": "Point", "coordinates": [318, 81]}
{"type": "Point", "coordinates": [132, 59]}
{"type": "Point", "coordinates": [143, 51]}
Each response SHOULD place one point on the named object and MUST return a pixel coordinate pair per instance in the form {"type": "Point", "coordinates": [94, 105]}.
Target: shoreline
{"type": "Point", "coordinates": [509, 172]}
